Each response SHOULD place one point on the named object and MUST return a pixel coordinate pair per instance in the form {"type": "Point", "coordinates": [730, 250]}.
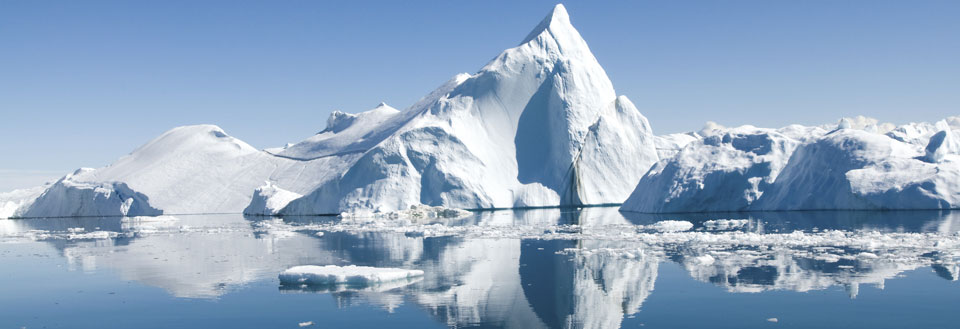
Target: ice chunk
{"type": "Point", "coordinates": [672, 226]}
{"type": "Point", "coordinates": [351, 275]}
{"type": "Point", "coordinates": [269, 199]}
{"type": "Point", "coordinates": [415, 212]}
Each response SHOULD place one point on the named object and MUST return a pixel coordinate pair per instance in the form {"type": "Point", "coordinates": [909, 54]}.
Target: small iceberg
{"type": "Point", "coordinates": [351, 276]}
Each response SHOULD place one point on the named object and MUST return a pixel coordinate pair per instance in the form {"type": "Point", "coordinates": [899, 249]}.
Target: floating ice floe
{"type": "Point", "coordinates": [725, 224]}
{"type": "Point", "coordinates": [351, 275]}
{"type": "Point", "coordinates": [672, 226]}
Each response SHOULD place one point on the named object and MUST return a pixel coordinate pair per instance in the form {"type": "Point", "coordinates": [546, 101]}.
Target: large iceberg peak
{"type": "Point", "coordinates": [555, 38]}
{"type": "Point", "coordinates": [557, 20]}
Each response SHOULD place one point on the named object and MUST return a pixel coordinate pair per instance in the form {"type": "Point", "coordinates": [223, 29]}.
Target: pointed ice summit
{"type": "Point", "coordinates": [539, 125]}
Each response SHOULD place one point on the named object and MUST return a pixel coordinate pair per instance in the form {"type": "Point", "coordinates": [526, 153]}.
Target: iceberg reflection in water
{"type": "Point", "coordinates": [544, 268]}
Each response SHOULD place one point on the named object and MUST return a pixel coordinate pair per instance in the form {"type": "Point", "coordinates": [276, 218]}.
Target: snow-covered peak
{"type": "Point", "coordinates": [557, 20]}
{"type": "Point", "coordinates": [190, 140]}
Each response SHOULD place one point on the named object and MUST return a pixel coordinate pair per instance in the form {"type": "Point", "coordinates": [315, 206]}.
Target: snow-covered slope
{"type": "Point", "coordinates": [346, 133]}
{"type": "Point", "coordinates": [857, 164]}
{"type": "Point", "coordinates": [190, 169]}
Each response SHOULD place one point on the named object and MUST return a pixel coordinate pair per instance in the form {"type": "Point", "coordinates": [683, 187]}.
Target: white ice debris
{"type": "Point", "coordinates": [344, 275]}
{"type": "Point", "coordinates": [95, 235]}
{"type": "Point", "coordinates": [672, 226]}
{"type": "Point", "coordinates": [415, 212]}
{"type": "Point", "coordinates": [725, 224]}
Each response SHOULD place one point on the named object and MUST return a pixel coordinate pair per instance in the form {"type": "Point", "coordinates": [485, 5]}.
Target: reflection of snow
{"type": "Point", "coordinates": [528, 269]}
{"type": "Point", "coordinates": [483, 286]}
{"type": "Point", "coordinates": [608, 287]}
{"type": "Point", "coordinates": [750, 262]}
{"type": "Point", "coordinates": [196, 265]}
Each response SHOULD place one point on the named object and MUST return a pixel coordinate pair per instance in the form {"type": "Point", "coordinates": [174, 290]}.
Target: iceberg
{"type": "Point", "coordinates": [856, 165]}
{"type": "Point", "coordinates": [69, 197]}
{"type": "Point", "coordinates": [540, 125]}
{"type": "Point", "coordinates": [269, 199]}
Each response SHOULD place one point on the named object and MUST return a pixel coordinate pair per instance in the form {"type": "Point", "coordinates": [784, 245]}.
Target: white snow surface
{"type": "Point", "coordinates": [857, 164]}
{"type": "Point", "coordinates": [346, 275]}
{"type": "Point", "coordinates": [190, 169]}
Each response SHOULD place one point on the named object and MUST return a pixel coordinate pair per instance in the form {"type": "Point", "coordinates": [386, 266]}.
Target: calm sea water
{"type": "Point", "coordinates": [221, 271]}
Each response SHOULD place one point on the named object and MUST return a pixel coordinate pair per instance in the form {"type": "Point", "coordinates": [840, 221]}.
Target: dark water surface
{"type": "Point", "coordinates": [548, 268]}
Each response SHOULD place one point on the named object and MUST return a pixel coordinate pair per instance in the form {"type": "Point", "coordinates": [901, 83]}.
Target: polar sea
{"type": "Point", "coordinates": [536, 268]}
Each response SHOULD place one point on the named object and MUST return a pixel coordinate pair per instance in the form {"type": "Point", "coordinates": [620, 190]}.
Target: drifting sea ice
{"type": "Point", "coordinates": [344, 275]}
{"type": "Point", "coordinates": [672, 226]}
{"type": "Point", "coordinates": [415, 212]}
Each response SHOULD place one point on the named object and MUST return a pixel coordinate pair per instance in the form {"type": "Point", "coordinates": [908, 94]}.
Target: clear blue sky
{"type": "Point", "coordinates": [85, 82]}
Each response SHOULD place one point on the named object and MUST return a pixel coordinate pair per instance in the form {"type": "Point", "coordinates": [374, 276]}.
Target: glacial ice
{"type": "Point", "coordinates": [540, 125]}
{"type": "Point", "coordinates": [859, 164]}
